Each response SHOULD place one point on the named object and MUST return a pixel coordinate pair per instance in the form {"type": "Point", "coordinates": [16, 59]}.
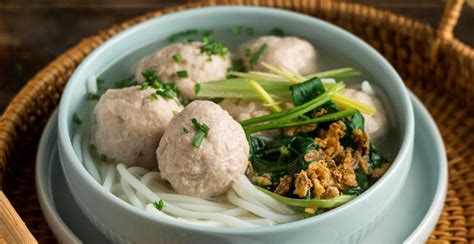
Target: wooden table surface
{"type": "Point", "coordinates": [33, 33]}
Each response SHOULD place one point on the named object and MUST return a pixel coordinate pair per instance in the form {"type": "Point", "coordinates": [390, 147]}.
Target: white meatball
{"type": "Point", "coordinates": [208, 170]}
{"type": "Point", "coordinates": [130, 124]}
{"type": "Point", "coordinates": [376, 125]}
{"type": "Point", "coordinates": [243, 109]}
{"type": "Point", "coordinates": [292, 53]}
{"type": "Point", "coordinates": [199, 66]}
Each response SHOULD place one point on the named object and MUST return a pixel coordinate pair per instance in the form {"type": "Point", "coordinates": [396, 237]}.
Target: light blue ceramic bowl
{"type": "Point", "coordinates": [117, 58]}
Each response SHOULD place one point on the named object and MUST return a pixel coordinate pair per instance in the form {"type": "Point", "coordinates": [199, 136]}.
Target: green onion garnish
{"type": "Point", "coordinates": [185, 130]}
{"type": "Point", "coordinates": [76, 120]}
{"type": "Point", "coordinates": [92, 147]}
{"type": "Point", "coordinates": [177, 58]}
{"type": "Point", "coordinates": [203, 129]}
{"type": "Point", "coordinates": [144, 86]}
{"type": "Point", "coordinates": [154, 96]}
{"type": "Point", "coordinates": [182, 74]}
{"type": "Point", "coordinates": [159, 205]}
{"type": "Point", "coordinates": [256, 56]}
{"type": "Point", "coordinates": [103, 157]}
{"type": "Point", "coordinates": [182, 34]}
{"type": "Point", "coordinates": [197, 88]}
{"type": "Point", "coordinates": [277, 32]}
{"type": "Point", "coordinates": [214, 48]}
{"type": "Point", "coordinates": [93, 97]}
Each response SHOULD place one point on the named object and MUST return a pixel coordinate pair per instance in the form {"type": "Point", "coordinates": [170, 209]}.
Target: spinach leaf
{"type": "Point", "coordinates": [257, 145]}
{"type": "Point", "coordinates": [353, 122]}
{"type": "Point", "coordinates": [306, 91]}
{"type": "Point", "coordinates": [375, 159]}
{"type": "Point", "coordinates": [362, 184]}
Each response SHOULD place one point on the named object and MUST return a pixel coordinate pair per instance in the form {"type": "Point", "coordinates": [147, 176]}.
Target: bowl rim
{"type": "Point", "coordinates": [65, 140]}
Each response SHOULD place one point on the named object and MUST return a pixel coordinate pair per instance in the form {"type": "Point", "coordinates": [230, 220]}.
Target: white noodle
{"type": "Point", "coordinates": [128, 191]}
{"type": "Point", "coordinates": [262, 197]}
{"type": "Point", "coordinates": [87, 158]}
{"type": "Point", "coordinates": [212, 223]}
{"type": "Point", "coordinates": [92, 84]}
{"type": "Point", "coordinates": [367, 88]}
{"type": "Point", "coordinates": [257, 210]}
{"type": "Point", "coordinates": [188, 199]}
{"type": "Point", "coordinates": [109, 177]}
{"type": "Point", "coordinates": [236, 212]}
{"type": "Point", "coordinates": [199, 207]}
{"type": "Point", "coordinates": [258, 221]}
{"type": "Point", "coordinates": [244, 195]}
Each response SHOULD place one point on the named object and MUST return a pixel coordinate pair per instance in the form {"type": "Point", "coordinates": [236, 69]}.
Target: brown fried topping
{"type": "Point", "coordinates": [313, 155]}
{"type": "Point", "coordinates": [302, 184]}
{"type": "Point", "coordinates": [262, 180]}
{"type": "Point", "coordinates": [292, 131]}
{"type": "Point", "coordinates": [331, 146]}
{"type": "Point", "coordinates": [361, 161]}
{"type": "Point", "coordinates": [310, 211]}
{"type": "Point", "coordinates": [378, 172]}
{"type": "Point", "coordinates": [284, 185]}
{"type": "Point", "coordinates": [331, 192]}
{"type": "Point", "coordinates": [320, 113]}
{"type": "Point", "coordinates": [362, 139]}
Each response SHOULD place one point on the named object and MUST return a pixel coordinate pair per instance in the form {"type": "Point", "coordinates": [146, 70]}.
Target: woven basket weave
{"type": "Point", "coordinates": [436, 66]}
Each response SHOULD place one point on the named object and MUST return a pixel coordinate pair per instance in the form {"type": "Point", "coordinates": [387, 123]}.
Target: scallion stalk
{"type": "Point", "coordinates": [264, 96]}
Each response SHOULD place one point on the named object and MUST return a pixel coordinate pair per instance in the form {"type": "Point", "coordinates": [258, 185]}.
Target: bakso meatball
{"type": "Point", "coordinates": [376, 125]}
{"type": "Point", "coordinates": [242, 109]}
{"type": "Point", "coordinates": [130, 123]}
{"type": "Point", "coordinates": [291, 53]}
{"type": "Point", "coordinates": [206, 169]}
{"type": "Point", "coordinates": [185, 64]}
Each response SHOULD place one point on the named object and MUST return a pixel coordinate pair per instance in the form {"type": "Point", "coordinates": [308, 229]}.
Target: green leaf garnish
{"type": "Point", "coordinates": [277, 32]}
{"type": "Point", "coordinates": [197, 88]}
{"type": "Point", "coordinates": [182, 74]}
{"type": "Point", "coordinates": [159, 205]}
{"type": "Point", "coordinates": [76, 120]}
{"type": "Point", "coordinates": [256, 56]}
{"type": "Point", "coordinates": [203, 129]}
{"type": "Point", "coordinates": [177, 58]}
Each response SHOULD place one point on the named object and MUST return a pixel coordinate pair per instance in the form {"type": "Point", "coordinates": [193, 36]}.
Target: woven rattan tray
{"type": "Point", "coordinates": [436, 66]}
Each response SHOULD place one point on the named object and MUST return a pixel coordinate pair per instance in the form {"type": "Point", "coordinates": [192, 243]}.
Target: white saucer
{"type": "Point", "coordinates": [410, 220]}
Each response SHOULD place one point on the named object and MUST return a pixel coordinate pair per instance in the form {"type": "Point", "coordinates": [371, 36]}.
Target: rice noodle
{"type": "Point", "coordinates": [257, 210]}
{"type": "Point", "coordinates": [142, 188]}
{"type": "Point", "coordinates": [92, 84]}
{"type": "Point", "coordinates": [87, 158]}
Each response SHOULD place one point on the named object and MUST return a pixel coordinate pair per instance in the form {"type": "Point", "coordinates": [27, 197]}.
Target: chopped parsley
{"type": "Point", "coordinates": [177, 58]}
{"type": "Point", "coordinates": [197, 88]}
{"type": "Point", "coordinates": [168, 91]}
{"type": "Point", "coordinates": [103, 157]}
{"type": "Point", "coordinates": [214, 48]}
{"type": "Point", "coordinates": [277, 32]}
{"type": "Point", "coordinates": [185, 130]}
{"type": "Point", "coordinates": [256, 56]}
{"type": "Point", "coordinates": [92, 147]}
{"type": "Point", "coordinates": [175, 37]}
{"type": "Point", "coordinates": [93, 97]}
{"type": "Point", "coordinates": [154, 96]}
{"type": "Point", "coordinates": [150, 75]}
{"type": "Point", "coordinates": [76, 120]}
{"type": "Point", "coordinates": [243, 29]}
{"type": "Point", "coordinates": [182, 74]}
{"type": "Point", "coordinates": [159, 205]}
{"type": "Point", "coordinates": [203, 129]}
{"type": "Point", "coordinates": [144, 86]}
{"type": "Point", "coordinates": [248, 52]}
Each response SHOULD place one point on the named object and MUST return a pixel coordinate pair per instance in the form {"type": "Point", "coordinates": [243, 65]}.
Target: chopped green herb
{"type": "Point", "coordinates": [144, 86]}
{"type": "Point", "coordinates": [197, 88]}
{"type": "Point", "coordinates": [76, 120]}
{"type": "Point", "coordinates": [207, 33]}
{"type": "Point", "coordinates": [154, 96]}
{"type": "Point", "coordinates": [249, 30]}
{"type": "Point", "coordinates": [182, 74]}
{"type": "Point", "coordinates": [184, 101]}
{"type": "Point", "coordinates": [180, 35]}
{"type": "Point", "coordinates": [214, 48]}
{"type": "Point", "coordinates": [103, 157]}
{"type": "Point", "coordinates": [149, 75]}
{"type": "Point", "coordinates": [277, 32]}
{"type": "Point", "coordinates": [248, 52]}
{"type": "Point", "coordinates": [155, 84]}
{"type": "Point", "coordinates": [168, 91]}
{"type": "Point", "coordinates": [237, 30]}
{"type": "Point", "coordinates": [92, 147]}
{"type": "Point", "coordinates": [256, 56]}
{"type": "Point", "coordinates": [185, 130]}
{"type": "Point", "coordinates": [93, 97]}
{"type": "Point", "coordinates": [177, 58]}
{"type": "Point", "coordinates": [203, 129]}
{"type": "Point", "coordinates": [159, 205]}
{"type": "Point", "coordinates": [205, 39]}
{"type": "Point", "coordinates": [237, 66]}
